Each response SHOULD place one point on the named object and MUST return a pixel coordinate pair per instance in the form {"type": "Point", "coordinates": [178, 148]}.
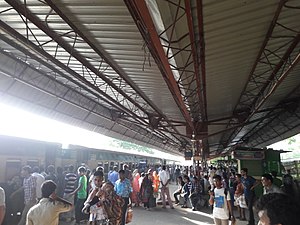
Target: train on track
{"type": "Point", "coordinates": [16, 152]}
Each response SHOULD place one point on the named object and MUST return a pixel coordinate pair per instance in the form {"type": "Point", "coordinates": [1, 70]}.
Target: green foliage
{"type": "Point", "coordinates": [131, 146]}
{"type": "Point", "coordinates": [291, 144]}
{"type": "Point", "coordinates": [291, 140]}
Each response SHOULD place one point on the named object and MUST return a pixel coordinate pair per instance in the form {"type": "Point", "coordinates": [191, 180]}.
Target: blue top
{"type": "Point", "coordinates": [248, 184]}
{"type": "Point", "coordinates": [123, 188]}
{"type": "Point", "coordinates": [113, 177]}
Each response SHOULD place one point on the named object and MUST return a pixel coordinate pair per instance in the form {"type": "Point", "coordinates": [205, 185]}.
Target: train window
{"type": "Point", "coordinates": [106, 167]}
{"type": "Point", "coordinates": [111, 166]}
{"type": "Point", "coordinates": [13, 168]}
{"type": "Point", "coordinates": [33, 163]}
{"type": "Point", "coordinates": [117, 165]}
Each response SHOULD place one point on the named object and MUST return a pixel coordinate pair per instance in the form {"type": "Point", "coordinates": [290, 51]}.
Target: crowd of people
{"type": "Point", "coordinates": [67, 195]}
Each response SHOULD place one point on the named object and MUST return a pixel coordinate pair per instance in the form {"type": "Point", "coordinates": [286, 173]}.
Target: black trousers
{"type": "Point", "coordinates": [124, 209]}
{"type": "Point", "coordinates": [250, 201]}
{"type": "Point", "coordinates": [175, 194]}
{"type": "Point", "coordinates": [78, 207]}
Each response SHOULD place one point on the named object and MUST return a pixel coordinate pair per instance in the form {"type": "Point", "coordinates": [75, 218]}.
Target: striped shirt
{"type": "Point", "coordinates": [29, 185]}
{"type": "Point", "coordinates": [70, 182]}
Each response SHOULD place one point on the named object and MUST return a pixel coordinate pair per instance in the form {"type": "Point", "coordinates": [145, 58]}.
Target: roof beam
{"type": "Point", "coordinates": [77, 55]}
{"type": "Point", "coordinates": [200, 91]}
{"type": "Point", "coordinates": [108, 60]}
{"type": "Point", "coordinates": [266, 82]}
{"type": "Point", "coordinates": [142, 17]}
{"type": "Point", "coordinates": [68, 48]}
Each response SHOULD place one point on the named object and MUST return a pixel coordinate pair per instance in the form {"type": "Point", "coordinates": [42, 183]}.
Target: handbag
{"type": "Point", "coordinates": [129, 215]}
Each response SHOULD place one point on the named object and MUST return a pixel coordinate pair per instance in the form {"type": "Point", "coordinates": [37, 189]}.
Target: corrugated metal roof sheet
{"type": "Point", "coordinates": [234, 32]}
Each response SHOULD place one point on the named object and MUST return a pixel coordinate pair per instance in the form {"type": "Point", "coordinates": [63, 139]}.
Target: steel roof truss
{"type": "Point", "coordinates": [270, 68]}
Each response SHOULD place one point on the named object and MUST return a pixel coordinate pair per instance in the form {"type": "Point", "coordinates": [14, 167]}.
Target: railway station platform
{"type": "Point", "coordinates": [177, 216]}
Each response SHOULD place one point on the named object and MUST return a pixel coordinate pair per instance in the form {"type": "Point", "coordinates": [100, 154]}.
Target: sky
{"type": "Point", "coordinates": [19, 123]}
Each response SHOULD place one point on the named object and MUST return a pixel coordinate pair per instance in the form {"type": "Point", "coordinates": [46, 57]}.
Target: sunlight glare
{"type": "Point", "coordinates": [19, 123]}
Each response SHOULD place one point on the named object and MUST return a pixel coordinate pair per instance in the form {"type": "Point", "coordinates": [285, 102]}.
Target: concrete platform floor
{"type": "Point", "coordinates": [177, 216]}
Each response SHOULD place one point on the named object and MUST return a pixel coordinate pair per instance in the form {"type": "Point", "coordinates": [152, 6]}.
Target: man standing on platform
{"type": "Point", "coordinates": [48, 209]}
{"type": "Point", "coordinates": [70, 186]}
{"type": "Point", "coordinates": [123, 189]}
{"type": "Point", "coordinates": [81, 194]}
{"type": "Point", "coordinates": [29, 188]}
{"type": "Point", "coordinates": [164, 178]}
{"type": "Point", "coordinates": [249, 184]}
{"type": "Point", "coordinates": [114, 175]}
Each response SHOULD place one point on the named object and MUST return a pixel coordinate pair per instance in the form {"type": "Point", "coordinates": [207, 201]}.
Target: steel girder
{"type": "Point", "coordinates": [272, 66]}
{"type": "Point", "coordinates": [93, 70]}
{"type": "Point", "coordinates": [178, 54]}
{"type": "Point", "coordinates": [51, 80]}
{"type": "Point", "coordinates": [136, 94]}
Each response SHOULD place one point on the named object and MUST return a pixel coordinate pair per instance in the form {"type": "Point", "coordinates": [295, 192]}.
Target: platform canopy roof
{"type": "Point", "coordinates": [173, 75]}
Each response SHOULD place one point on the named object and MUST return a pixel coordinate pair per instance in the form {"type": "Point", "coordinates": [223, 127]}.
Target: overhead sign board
{"type": "Point", "coordinates": [248, 155]}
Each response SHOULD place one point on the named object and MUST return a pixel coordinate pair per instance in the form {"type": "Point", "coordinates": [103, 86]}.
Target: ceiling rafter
{"type": "Point", "coordinates": [33, 51]}
{"type": "Point", "coordinates": [142, 17]}
{"type": "Point", "coordinates": [109, 61]}
{"type": "Point", "coordinates": [86, 63]}
{"type": "Point", "coordinates": [260, 86]}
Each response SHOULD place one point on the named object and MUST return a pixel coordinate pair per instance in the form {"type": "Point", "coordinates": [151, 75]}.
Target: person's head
{"type": "Point", "coordinates": [179, 178]}
{"type": "Point", "coordinates": [98, 178]}
{"type": "Point", "coordinates": [115, 168]}
{"type": "Point", "coordinates": [42, 168]}
{"type": "Point", "coordinates": [125, 167]}
{"type": "Point", "coordinates": [186, 179]}
{"type": "Point", "coordinates": [71, 168]}
{"type": "Point", "coordinates": [277, 209]}
{"type": "Point", "coordinates": [51, 169]}
{"type": "Point", "coordinates": [99, 168]}
{"type": "Point", "coordinates": [35, 169]}
{"type": "Point", "coordinates": [48, 188]}
{"type": "Point", "coordinates": [81, 171]}
{"type": "Point", "coordinates": [59, 170]}
{"type": "Point", "coordinates": [287, 180]}
{"type": "Point", "coordinates": [244, 172]}
{"type": "Point", "coordinates": [217, 181]}
{"type": "Point", "coordinates": [274, 174]}
{"type": "Point", "coordinates": [163, 167]}
{"type": "Point", "coordinates": [238, 177]}
{"type": "Point", "coordinates": [142, 174]}
{"type": "Point", "coordinates": [266, 180]}
{"type": "Point", "coordinates": [149, 175]}
{"type": "Point", "coordinates": [26, 171]}
{"type": "Point", "coordinates": [122, 174]}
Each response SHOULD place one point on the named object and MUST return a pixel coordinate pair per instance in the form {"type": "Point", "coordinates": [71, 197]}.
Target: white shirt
{"type": "Point", "coordinates": [46, 212]}
{"type": "Point", "coordinates": [221, 210]}
{"type": "Point", "coordinates": [2, 197]}
{"type": "Point", "coordinates": [39, 180]}
{"type": "Point", "coordinates": [164, 176]}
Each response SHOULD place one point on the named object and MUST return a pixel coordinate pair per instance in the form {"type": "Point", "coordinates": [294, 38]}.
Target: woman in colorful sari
{"type": "Point", "coordinates": [155, 179]}
{"type": "Point", "coordinates": [136, 188]}
{"type": "Point", "coordinates": [146, 191]}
